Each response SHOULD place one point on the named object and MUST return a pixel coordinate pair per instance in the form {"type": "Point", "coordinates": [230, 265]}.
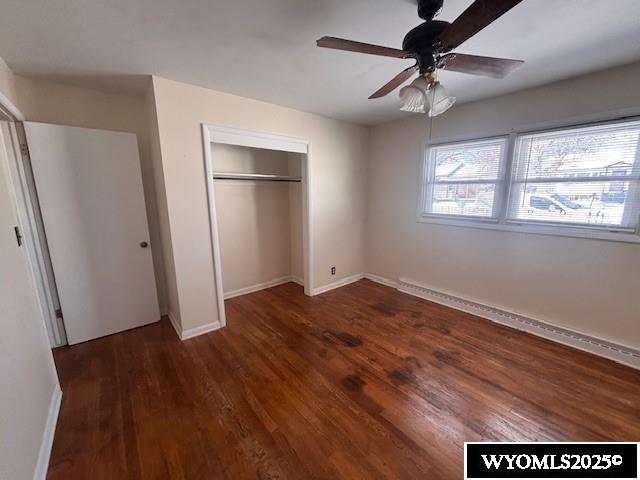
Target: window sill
{"type": "Point", "coordinates": [559, 231]}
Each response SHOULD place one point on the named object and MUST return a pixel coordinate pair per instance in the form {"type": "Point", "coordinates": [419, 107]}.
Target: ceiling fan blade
{"type": "Point", "coordinates": [486, 66]}
{"type": "Point", "coordinates": [359, 47]}
{"type": "Point", "coordinates": [480, 14]}
{"type": "Point", "coordinates": [396, 82]}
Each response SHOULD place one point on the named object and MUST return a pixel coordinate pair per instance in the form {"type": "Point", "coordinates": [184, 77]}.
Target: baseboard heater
{"type": "Point", "coordinates": [612, 351]}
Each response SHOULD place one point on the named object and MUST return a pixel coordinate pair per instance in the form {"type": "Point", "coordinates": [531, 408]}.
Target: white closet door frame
{"type": "Point", "coordinates": [27, 218]}
{"type": "Point", "coordinates": [245, 138]}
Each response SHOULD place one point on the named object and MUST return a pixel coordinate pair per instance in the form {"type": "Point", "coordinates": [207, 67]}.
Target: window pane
{"type": "Point", "coordinates": [585, 152]}
{"type": "Point", "coordinates": [468, 161]}
{"type": "Point", "coordinates": [587, 203]}
{"type": "Point", "coordinates": [475, 200]}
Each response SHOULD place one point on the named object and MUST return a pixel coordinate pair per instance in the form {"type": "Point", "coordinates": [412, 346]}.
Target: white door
{"type": "Point", "coordinates": [89, 188]}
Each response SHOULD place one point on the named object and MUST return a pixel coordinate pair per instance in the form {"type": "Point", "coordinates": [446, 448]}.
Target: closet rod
{"type": "Point", "coordinates": [256, 176]}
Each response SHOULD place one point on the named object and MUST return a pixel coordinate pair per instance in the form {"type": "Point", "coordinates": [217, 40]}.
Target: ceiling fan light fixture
{"type": "Point", "coordinates": [425, 95]}
{"type": "Point", "coordinates": [431, 44]}
{"type": "Point", "coordinates": [413, 100]}
{"type": "Point", "coordinates": [439, 100]}
{"type": "Point", "coordinates": [414, 96]}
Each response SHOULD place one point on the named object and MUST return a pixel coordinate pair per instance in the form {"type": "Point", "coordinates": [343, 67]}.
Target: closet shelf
{"type": "Point", "coordinates": [255, 176]}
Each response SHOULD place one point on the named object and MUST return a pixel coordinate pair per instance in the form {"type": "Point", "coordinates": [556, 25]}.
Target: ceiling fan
{"type": "Point", "coordinates": [431, 45]}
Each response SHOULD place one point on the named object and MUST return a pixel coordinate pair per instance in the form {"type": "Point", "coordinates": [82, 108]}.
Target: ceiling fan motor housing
{"type": "Point", "coordinates": [428, 9]}
{"type": "Point", "coordinates": [431, 45]}
{"type": "Point", "coordinates": [422, 42]}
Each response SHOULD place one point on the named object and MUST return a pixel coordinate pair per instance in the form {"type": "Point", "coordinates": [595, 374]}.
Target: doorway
{"type": "Point", "coordinates": [89, 189]}
{"type": "Point", "coordinates": [31, 228]}
{"type": "Point", "coordinates": [83, 223]}
{"type": "Point", "coordinates": [268, 152]}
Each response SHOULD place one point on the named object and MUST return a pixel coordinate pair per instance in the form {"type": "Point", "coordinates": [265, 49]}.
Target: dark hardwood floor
{"type": "Point", "coordinates": [363, 382]}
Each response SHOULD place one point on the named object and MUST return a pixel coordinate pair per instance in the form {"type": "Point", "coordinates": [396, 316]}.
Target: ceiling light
{"type": "Point", "coordinates": [414, 96]}
{"type": "Point", "coordinates": [439, 99]}
{"type": "Point", "coordinates": [425, 95]}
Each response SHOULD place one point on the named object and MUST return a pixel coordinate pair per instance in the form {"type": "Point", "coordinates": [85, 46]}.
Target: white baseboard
{"type": "Point", "coordinates": [338, 284]}
{"type": "Point", "coordinates": [260, 286]}
{"type": "Point", "coordinates": [192, 332]}
{"type": "Point", "coordinates": [197, 331]}
{"type": "Point", "coordinates": [175, 324]}
{"type": "Point", "coordinates": [44, 454]}
{"type": "Point", "coordinates": [298, 280]}
{"type": "Point", "coordinates": [612, 351]}
{"type": "Point", "coordinates": [210, 327]}
{"type": "Point", "coordinates": [352, 279]}
{"type": "Point", "coordinates": [381, 280]}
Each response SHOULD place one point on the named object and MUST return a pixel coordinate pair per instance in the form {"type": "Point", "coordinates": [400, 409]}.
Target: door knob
{"type": "Point", "coordinates": [144, 244]}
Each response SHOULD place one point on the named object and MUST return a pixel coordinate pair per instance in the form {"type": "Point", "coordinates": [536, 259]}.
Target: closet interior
{"type": "Point", "coordinates": [259, 199]}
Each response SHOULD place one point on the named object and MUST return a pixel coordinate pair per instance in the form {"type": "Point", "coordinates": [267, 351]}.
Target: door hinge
{"type": "Point", "coordinates": [24, 149]}
{"type": "Point", "coordinates": [59, 313]}
{"type": "Point", "coordinates": [18, 235]}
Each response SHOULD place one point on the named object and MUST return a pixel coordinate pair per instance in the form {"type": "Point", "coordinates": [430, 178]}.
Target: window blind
{"type": "Point", "coordinates": [587, 176]}
{"type": "Point", "coordinates": [465, 179]}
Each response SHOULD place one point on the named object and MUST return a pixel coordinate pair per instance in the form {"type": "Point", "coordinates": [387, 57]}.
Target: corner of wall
{"type": "Point", "coordinates": [173, 307]}
{"type": "Point", "coordinates": [9, 90]}
{"type": "Point", "coordinates": [367, 198]}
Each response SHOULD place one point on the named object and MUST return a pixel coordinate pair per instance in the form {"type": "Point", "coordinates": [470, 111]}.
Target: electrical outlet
{"type": "Point", "coordinates": [333, 270]}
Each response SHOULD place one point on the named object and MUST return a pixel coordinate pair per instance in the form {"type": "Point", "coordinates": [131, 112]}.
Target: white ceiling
{"type": "Point", "coordinates": [265, 49]}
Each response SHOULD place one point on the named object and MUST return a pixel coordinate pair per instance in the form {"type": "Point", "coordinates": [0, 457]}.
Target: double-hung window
{"type": "Point", "coordinates": [575, 181]}
{"type": "Point", "coordinates": [465, 180]}
{"type": "Point", "coordinates": [585, 177]}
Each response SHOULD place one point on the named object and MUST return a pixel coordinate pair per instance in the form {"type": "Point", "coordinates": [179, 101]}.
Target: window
{"type": "Point", "coordinates": [569, 181]}
{"type": "Point", "coordinates": [584, 176]}
{"type": "Point", "coordinates": [465, 179]}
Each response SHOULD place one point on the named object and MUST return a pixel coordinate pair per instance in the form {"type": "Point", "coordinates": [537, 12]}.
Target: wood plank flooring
{"type": "Point", "coordinates": [362, 382]}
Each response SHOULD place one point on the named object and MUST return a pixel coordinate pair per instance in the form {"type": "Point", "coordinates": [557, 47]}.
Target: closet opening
{"type": "Point", "coordinates": [259, 206]}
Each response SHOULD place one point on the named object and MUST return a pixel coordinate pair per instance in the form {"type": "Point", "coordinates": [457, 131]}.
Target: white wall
{"type": "Point", "coordinates": [590, 286]}
{"type": "Point", "coordinates": [28, 381]}
{"type": "Point", "coordinates": [171, 304]}
{"type": "Point", "coordinates": [296, 217]}
{"type": "Point", "coordinates": [339, 159]}
{"type": "Point", "coordinates": [296, 239]}
{"type": "Point", "coordinates": [254, 222]}
{"type": "Point", "coordinates": [254, 231]}
{"type": "Point", "coordinates": [8, 85]}
{"type": "Point", "coordinates": [236, 159]}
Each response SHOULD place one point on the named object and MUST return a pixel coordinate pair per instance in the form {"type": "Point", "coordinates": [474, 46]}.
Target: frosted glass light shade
{"type": "Point", "coordinates": [440, 100]}
{"type": "Point", "coordinates": [414, 96]}
{"type": "Point", "coordinates": [420, 96]}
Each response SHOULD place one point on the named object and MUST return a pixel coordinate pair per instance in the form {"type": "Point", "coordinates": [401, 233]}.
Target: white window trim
{"type": "Point", "coordinates": [502, 222]}
{"type": "Point", "coordinates": [500, 191]}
